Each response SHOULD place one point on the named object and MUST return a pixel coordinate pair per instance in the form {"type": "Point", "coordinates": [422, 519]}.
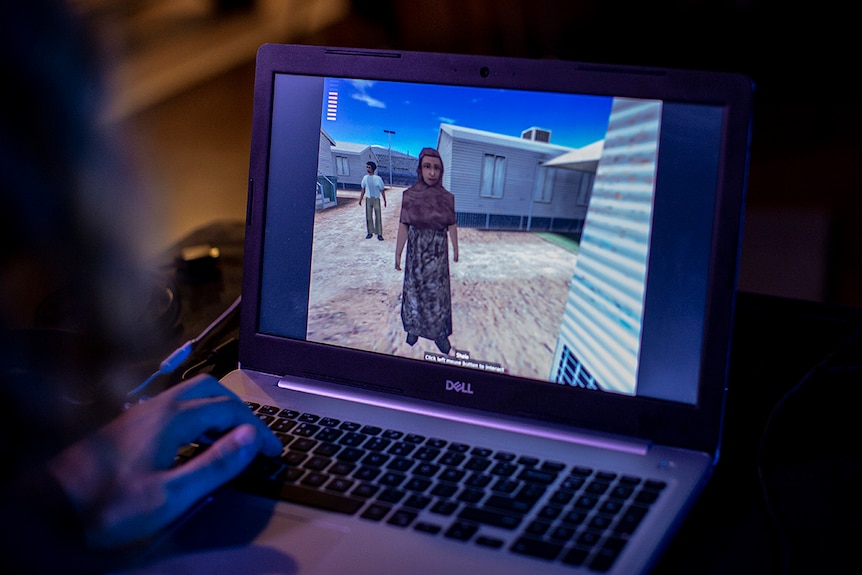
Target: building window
{"type": "Point", "coordinates": [586, 189]}
{"type": "Point", "coordinates": [544, 189]}
{"type": "Point", "coordinates": [342, 166]}
{"type": "Point", "coordinates": [493, 176]}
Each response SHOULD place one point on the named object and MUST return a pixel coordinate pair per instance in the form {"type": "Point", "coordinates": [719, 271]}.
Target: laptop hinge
{"type": "Point", "coordinates": [556, 432]}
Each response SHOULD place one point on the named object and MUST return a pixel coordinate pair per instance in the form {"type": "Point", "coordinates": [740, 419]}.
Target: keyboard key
{"type": "Point", "coordinates": [402, 518]}
{"type": "Point", "coordinates": [306, 430]}
{"type": "Point", "coordinates": [400, 464]}
{"type": "Point", "coordinates": [509, 504]}
{"type": "Point", "coordinates": [444, 490]}
{"type": "Point", "coordinates": [478, 480]}
{"type": "Point", "coordinates": [342, 468]}
{"type": "Point", "coordinates": [452, 459]}
{"type": "Point", "coordinates": [392, 479]}
{"type": "Point", "coordinates": [353, 439]}
{"type": "Point", "coordinates": [553, 466]}
{"type": "Point", "coordinates": [575, 556]}
{"type": "Point", "coordinates": [375, 512]}
{"type": "Point", "coordinates": [281, 425]}
{"type": "Point", "coordinates": [303, 444]}
{"type": "Point", "coordinates": [365, 490]}
{"type": "Point", "coordinates": [402, 449]}
{"type": "Point", "coordinates": [461, 531]}
{"type": "Point", "coordinates": [314, 479]}
{"type": "Point", "coordinates": [326, 449]}
{"type": "Point", "coordinates": [329, 434]}
{"type": "Point", "coordinates": [317, 463]}
{"type": "Point", "coordinates": [375, 459]}
{"type": "Point", "coordinates": [607, 554]}
{"type": "Point", "coordinates": [391, 495]}
{"type": "Point", "coordinates": [426, 470]}
{"type": "Point", "coordinates": [492, 542]}
{"type": "Point", "coordinates": [537, 476]}
{"type": "Point", "coordinates": [444, 507]}
{"type": "Point", "coordinates": [302, 495]}
{"type": "Point", "coordinates": [350, 454]}
{"type": "Point", "coordinates": [452, 475]}
{"type": "Point", "coordinates": [426, 453]}
{"type": "Point", "coordinates": [488, 517]}
{"type": "Point", "coordinates": [561, 533]}
{"type": "Point", "coordinates": [505, 486]}
{"type": "Point", "coordinates": [417, 501]}
{"type": "Point", "coordinates": [367, 473]}
{"type": "Point", "coordinates": [538, 528]}
{"type": "Point", "coordinates": [377, 444]}
{"type": "Point", "coordinates": [536, 548]}
{"type": "Point", "coordinates": [430, 528]}
{"type": "Point", "coordinates": [471, 495]}
{"type": "Point", "coordinates": [339, 484]}
{"type": "Point", "coordinates": [417, 484]}
{"type": "Point", "coordinates": [504, 469]}
{"type": "Point", "coordinates": [477, 464]}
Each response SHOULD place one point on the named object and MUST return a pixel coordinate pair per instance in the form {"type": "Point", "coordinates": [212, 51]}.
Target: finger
{"type": "Point", "coordinates": [222, 461]}
{"type": "Point", "coordinates": [207, 387]}
{"type": "Point", "coordinates": [195, 418]}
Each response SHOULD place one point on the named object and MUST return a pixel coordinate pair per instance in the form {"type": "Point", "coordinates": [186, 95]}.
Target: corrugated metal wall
{"type": "Point", "coordinates": [600, 336]}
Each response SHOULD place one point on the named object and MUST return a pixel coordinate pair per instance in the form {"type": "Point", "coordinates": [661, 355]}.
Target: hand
{"type": "Point", "coordinates": [122, 479]}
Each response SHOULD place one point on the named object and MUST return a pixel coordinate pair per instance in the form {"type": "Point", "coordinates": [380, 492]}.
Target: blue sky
{"type": "Point", "coordinates": [415, 111]}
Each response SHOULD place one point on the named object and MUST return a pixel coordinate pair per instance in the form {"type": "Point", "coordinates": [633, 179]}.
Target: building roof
{"type": "Point", "coordinates": [349, 148]}
{"type": "Point", "coordinates": [585, 159]}
{"type": "Point", "coordinates": [502, 139]}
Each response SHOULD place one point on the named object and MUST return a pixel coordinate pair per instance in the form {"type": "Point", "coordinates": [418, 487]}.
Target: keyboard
{"type": "Point", "coordinates": [497, 499]}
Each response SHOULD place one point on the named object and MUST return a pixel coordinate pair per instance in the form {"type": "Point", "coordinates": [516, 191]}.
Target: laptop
{"type": "Point", "coordinates": [568, 412]}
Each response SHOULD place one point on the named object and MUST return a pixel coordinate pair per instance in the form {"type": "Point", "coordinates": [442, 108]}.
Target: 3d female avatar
{"type": "Point", "coordinates": [427, 222]}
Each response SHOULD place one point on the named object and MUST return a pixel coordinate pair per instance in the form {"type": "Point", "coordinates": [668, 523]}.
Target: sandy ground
{"type": "Point", "coordinates": [508, 291]}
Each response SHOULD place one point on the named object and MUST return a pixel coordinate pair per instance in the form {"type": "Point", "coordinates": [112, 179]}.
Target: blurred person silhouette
{"type": "Point", "coordinates": [85, 483]}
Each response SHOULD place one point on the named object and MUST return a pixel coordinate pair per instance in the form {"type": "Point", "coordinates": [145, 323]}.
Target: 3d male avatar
{"type": "Point", "coordinates": [372, 190]}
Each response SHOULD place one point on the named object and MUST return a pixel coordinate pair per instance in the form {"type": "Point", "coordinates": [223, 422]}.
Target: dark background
{"type": "Point", "coordinates": [801, 236]}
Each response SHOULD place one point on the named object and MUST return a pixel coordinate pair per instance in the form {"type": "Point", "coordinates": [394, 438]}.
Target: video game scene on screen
{"type": "Point", "coordinates": [539, 272]}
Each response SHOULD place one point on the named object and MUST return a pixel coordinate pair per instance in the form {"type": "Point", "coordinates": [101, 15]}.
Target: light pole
{"type": "Point", "coordinates": [389, 135]}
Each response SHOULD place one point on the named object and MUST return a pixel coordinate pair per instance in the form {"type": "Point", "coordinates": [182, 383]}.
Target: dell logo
{"type": "Point", "coordinates": [459, 386]}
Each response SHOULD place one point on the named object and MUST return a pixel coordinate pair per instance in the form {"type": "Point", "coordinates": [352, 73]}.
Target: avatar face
{"type": "Point", "coordinates": [432, 168]}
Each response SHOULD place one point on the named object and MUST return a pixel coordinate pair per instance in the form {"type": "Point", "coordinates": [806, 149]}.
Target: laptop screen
{"type": "Point", "coordinates": [554, 197]}
{"type": "Point", "coordinates": [595, 222]}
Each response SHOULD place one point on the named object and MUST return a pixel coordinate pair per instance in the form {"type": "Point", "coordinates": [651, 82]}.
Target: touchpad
{"type": "Point", "coordinates": [234, 533]}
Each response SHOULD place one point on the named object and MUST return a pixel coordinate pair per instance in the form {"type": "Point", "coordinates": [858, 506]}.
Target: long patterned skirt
{"type": "Point", "coordinates": [426, 299]}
